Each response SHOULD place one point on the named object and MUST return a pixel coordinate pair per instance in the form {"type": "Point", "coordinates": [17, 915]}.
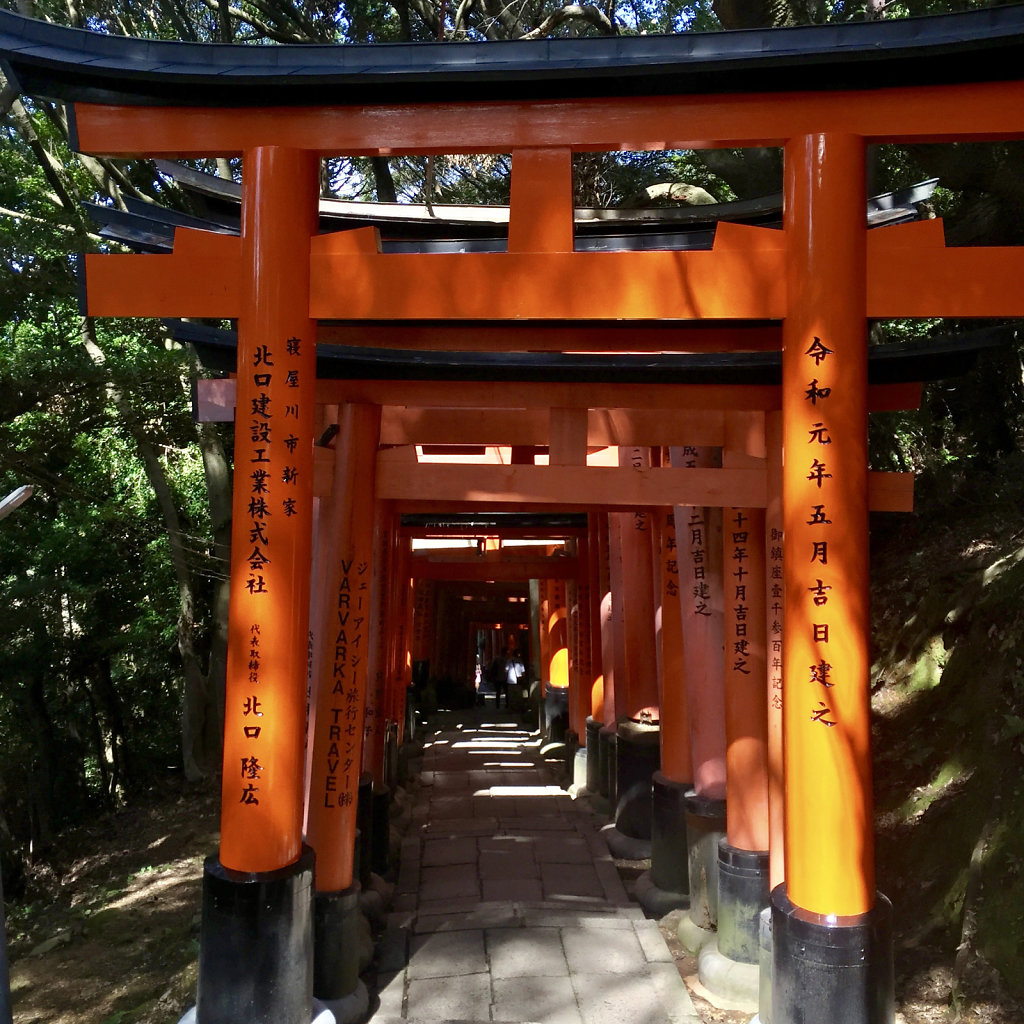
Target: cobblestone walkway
{"type": "Point", "coordinates": [508, 906]}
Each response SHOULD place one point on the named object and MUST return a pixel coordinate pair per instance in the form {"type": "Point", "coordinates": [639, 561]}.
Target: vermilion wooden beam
{"type": "Point", "coordinates": [619, 413]}
{"type": "Point", "coordinates": [925, 278]}
{"type": "Point", "coordinates": [201, 278]}
{"type": "Point", "coordinates": [351, 280]}
{"type": "Point", "coordinates": [986, 110]}
{"type": "Point", "coordinates": [568, 485]}
{"type": "Point", "coordinates": [741, 278]}
{"type": "Point", "coordinates": [589, 336]}
{"type": "Point", "coordinates": [464, 485]}
{"type": "Point", "coordinates": [510, 571]}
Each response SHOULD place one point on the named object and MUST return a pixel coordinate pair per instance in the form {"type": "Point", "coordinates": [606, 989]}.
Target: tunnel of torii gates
{"type": "Point", "coordinates": [793, 454]}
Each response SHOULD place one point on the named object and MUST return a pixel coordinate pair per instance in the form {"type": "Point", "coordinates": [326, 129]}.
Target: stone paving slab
{"type": "Point", "coordinates": [550, 1000]}
{"type": "Point", "coordinates": [514, 890]}
{"type": "Point", "coordinates": [603, 998]}
{"type": "Point", "coordinates": [438, 852]}
{"type": "Point", "coordinates": [571, 880]}
{"type": "Point", "coordinates": [525, 953]}
{"type": "Point", "coordinates": [444, 954]}
{"type": "Point", "coordinates": [617, 952]}
{"type": "Point", "coordinates": [449, 882]}
{"type": "Point", "coordinates": [451, 998]}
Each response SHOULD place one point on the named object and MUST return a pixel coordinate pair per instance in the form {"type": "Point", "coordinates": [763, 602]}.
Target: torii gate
{"type": "Point", "coordinates": [822, 276]}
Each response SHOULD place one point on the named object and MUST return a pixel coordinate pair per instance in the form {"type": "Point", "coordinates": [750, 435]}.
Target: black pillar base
{"type": "Point", "coordinates": [336, 943]}
{"type": "Point", "coordinates": [705, 825]}
{"type": "Point", "coordinates": [742, 895]}
{"type": "Point", "coordinates": [831, 969]}
{"type": "Point", "coordinates": [637, 758]}
{"type": "Point", "coordinates": [606, 762]}
{"type": "Point", "coordinates": [364, 826]}
{"type": "Point", "coordinates": [256, 945]}
{"type": "Point", "coordinates": [380, 856]}
{"type": "Point", "coordinates": [593, 755]}
{"type": "Point", "coordinates": [556, 713]}
{"type": "Point", "coordinates": [670, 859]}
{"type": "Point", "coordinates": [391, 755]}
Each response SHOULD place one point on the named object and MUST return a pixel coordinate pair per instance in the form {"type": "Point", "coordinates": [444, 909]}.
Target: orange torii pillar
{"type": "Point", "coordinates": [581, 667]}
{"type": "Point", "coordinates": [338, 704]}
{"type": "Point", "coordinates": [396, 680]}
{"type": "Point", "coordinates": [554, 641]}
{"type": "Point", "coordinates": [373, 815]}
{"type": "Point", "coordinates": [831, 931]}
{"type": "Point", "coordinates": [595, 712]}
{"type": "Point", "coordinates": [424, 593]}
{"type": "Point", "coordinates": [638, 733]}
{"type": "Point", "coordinates": [254, 959]}
{"type": "Point", "coordinates": [732, 966]}
{"type": "Point", "coordinates": [699, 540]}
{"type": "Point", "coordinates": [667, 885]}
{"type": "Point", "coordinates": [607, 554]}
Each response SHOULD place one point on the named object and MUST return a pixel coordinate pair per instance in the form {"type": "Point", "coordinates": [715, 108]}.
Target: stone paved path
{"type": "Point", "coordinates": [508, 906]}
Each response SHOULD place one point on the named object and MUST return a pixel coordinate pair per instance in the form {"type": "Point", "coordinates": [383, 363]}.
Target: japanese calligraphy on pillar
{"type": "Point", "coordinates": [640, 458]}
{"type": "Point", "coordinates": [273, 468]}
{"type": "Point", "coordinates": [348, 675]}
{"type": "Point", "coordinates": [743, 556]}
{"type": "Point", "coordinates": [774, 594]}
{"type": "Point", "coordinates": [819, 514]}
{"type": "Point", "coordinates": [375, 721]}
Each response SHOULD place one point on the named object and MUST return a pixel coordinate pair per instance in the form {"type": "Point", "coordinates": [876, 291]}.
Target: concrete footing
{"type": "Point", "coordinates": [625, 847]}
{"type": "Point", "coordinates": [256, 945]}
{"type": "Point", "coordinates": [655, 901]}
{"type": "Point", "coordinates": [348, 1009]}
{"type": "Point", "coordinates": [829, 968]}
{"type": "Point", "coordinates": [732, 982]}
{"type": "Point", "coordinates": [705, 826]}
{"type": "Point", "coordinates": [764, 993]}
{"type": "Point", "coordinates": [730, 966]}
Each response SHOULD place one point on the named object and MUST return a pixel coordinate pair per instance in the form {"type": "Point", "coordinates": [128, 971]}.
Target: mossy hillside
{"type": "Point", "coordinates": [949, 739]}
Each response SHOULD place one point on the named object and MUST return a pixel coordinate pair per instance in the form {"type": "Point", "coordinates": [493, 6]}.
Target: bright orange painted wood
{"type": "Point", "coordinates": [268, 617]}
{"type": "Point", "coordinates": [569, 485]}
{"type": "Point", "coordinates": [987, 110]}
{"type": "Point", "coordinates": [654, 285]}
{"type": "Point", "coordinates": [495, 395]}
{"type": "Point", "coordinates": [746, 698]}
{"type": "Point", "coordinates": [774, 621]}
{"type": "Point", "coordinates": [604, 602]}
{"type": "Point", "coordinates": [826, 713]}
{"type": "Point", "coordinates": [339, 699]}
{"type": "Point", "coordinates": [581, 667]}
{"type": "Point", "coordinates": [519, 569]}
{"type": "Point", "coordinates": [911, 273]}
{"type": "Point", "coordinates": [617, 620]}
{"type": "Point", "coordinates": [376, 709]}
{"type": "Point", "coordinates": [699, 540]}
{"type": "Point", "coordinates": [541, 209]}
{"type": "Point", "coordinates": [427, 424]}
{"type": "Point", "coordinates": [638, 595]}
{"type": "Point", "coordinates": [676, 749]}
{"type": "Point", "coordinates": [558, 635]}
{"type": "Point", "coordinates": [201, 278]}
